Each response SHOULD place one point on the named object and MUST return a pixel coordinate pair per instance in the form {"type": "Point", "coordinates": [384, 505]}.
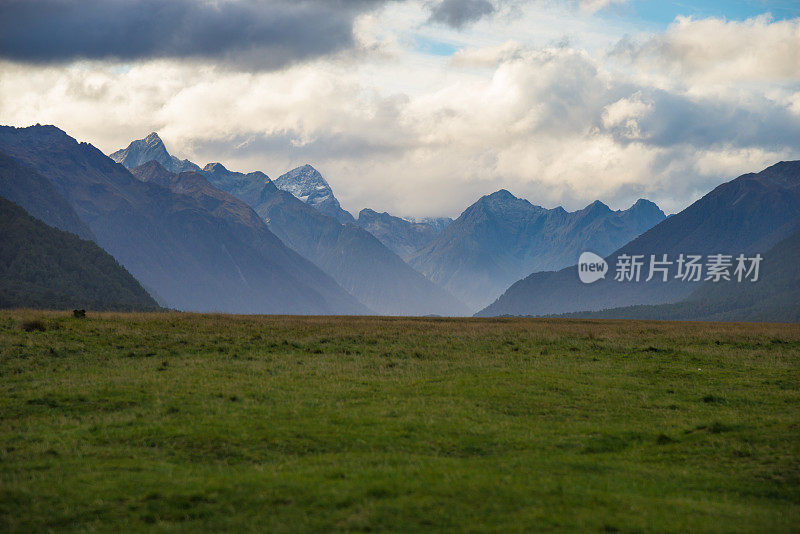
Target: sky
{"type": "Point", "coordinates": [419, 107]}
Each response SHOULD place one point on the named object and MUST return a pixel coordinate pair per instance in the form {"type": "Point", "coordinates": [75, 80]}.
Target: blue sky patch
{"type": "Point", "coordinates": [662, 12]}
{"type": "Point", "coordinates": [426, 45]}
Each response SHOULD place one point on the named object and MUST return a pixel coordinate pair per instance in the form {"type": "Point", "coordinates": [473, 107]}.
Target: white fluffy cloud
{"type": "Point", "coordinates": [593, 6]}
{"type": "Point", "coordinates": [715, 51]}
{"type": "Point", "coordinates": [421, 134]}
{"type": "Point", "coordinates": [625, 114]}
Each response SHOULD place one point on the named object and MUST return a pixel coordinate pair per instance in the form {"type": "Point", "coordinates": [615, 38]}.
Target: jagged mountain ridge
{"type": "Point", "coordinates": [749, 214]}
{"type": "Point", "coordinates": [246, 187]}
{"type": "Point", "coordinates": [308, 185]}
{"type": "Point", "coordinates": [151, 148]}
{"type": "Point", "coordinates": [404, 237]}
{"type": "Point", "coordinates": [501, 238]}
{"type": "Point", "coordinates": [22, 185]}
{"type": "Point", "coordinates": [172, 244]}
{"type": "Point", "coordinates": [480, 271]}
{"type": "Point", "coordinates": [358, 261]}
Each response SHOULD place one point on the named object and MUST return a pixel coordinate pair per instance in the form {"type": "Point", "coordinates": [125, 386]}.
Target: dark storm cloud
{"type": "Point", "coordinates": [459, 13]}
{"type": "Point", "coordinates": [264, 34]}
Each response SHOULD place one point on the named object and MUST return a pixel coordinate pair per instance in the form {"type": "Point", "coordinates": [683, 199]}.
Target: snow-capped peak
{"type": "Point", "coordinates": [151, 148]}
{"type": "Point", "coordinates": [306, 182]}
{"type": "Point", "coordinates": [308, 185]}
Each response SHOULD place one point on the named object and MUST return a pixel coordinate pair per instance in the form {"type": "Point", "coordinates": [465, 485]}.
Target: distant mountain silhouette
{"type": "Point", "coordinates": [502, 238]}
{"type": "Point", "coordinates": [747, 215]}
{"type": "Point", "coordinates": [173, 244]}
{"type": "Point", "coordinates": [403, 237]}
{"type": "Point", "coordinates": [43, 267]}
{"type": "Point", "coordinates": [308, 185]}
{"type": "Point", "coordinates": [775, 297]}
{"type": "Point", "coordinates": [151, 148]}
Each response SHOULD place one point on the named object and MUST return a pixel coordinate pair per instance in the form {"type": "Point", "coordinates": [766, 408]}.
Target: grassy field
{"type": "Point", "coordinates": [223, 423]}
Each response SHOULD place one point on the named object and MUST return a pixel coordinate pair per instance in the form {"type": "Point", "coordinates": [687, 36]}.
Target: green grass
{"type": "Point", "coordinates": [222, 423]}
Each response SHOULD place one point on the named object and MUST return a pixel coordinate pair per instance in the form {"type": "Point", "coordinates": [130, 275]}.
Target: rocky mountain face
{"type": "Point", "coordinates": [199, 188]}
{"type": "Point", "coordinates": [437, 223]}
{"type": "Point", "coordinates": [371, 272]}
{"type": "Point", "coordinates": [44, 267]}
{"type": "Point", "coordinates": [502, 238]}
{"type": "Point", "coordinates": [404, 237]}
{"type": "Point", "coordinates": [308, 185]}
{"type": "Point", "coordinates": [248, 226]}
{"type": "Point", "coordinates": [294, 208]}
{"type": "Point", "coordinates": [151, 148]}
{"type": "Point", "coordinates": [177, 247]}
{"type": "Point", "coordinates": [747, 215]}
{"type": "Point", "coordinates": [246, 187]}
{"type": "Point", "coordinates": [22, 185]}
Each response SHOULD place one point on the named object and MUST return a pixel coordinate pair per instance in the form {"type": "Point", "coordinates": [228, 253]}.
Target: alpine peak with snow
{"type": "Point", "coordinates": [151, 148]}
{"type": "Point", "coordinates": [307, 184]}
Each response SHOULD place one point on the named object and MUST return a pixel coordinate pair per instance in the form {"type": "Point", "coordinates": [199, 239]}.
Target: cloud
{"type": "Point", "coordinates": [459, 13]}
{"type": "Point", "coordinates": [659, 118]}
{"type": "Point", "coordinates": [592, 6]}
{"type": "Point", "coordinates": [717, 51]}
{"type": "Point", "coordinates": [623, 116]}
{"type": "Point", "coordinates": [486, 57]}
{"type": "Point", "coordinates": [262, 34]}
{"type": "Point", "coordinates": [417, 134]}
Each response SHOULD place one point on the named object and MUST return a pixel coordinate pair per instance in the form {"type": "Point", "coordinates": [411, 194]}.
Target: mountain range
{"type": "Point", "coordinates": [357, 260]}
{"type": "Point", "coordinates": [502, 238]}
{"type": "Point", "coordinates": [211, 239]}
{"type": "Point", "coordinates": [354, 258]}
{"type": "Point", "coordinates": [495, 242]}
{"type": "Point", "coordinates": [185, 255]}
{"type": "Point", "coordinates": [404, 237]}
{"type": "Point", "coordinates": [749, 215]}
